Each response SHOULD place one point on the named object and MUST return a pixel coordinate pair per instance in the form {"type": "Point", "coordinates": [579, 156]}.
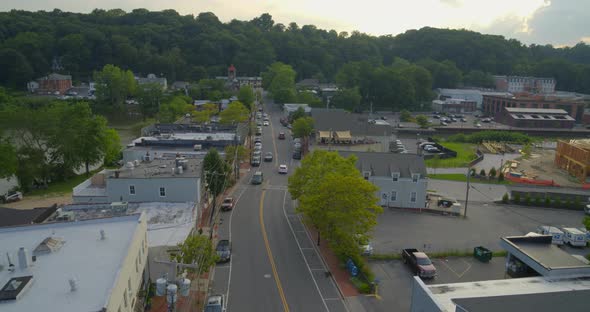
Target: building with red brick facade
{"type": "Point", "coordinates": [493, 105]}
{"type": "Point", "coordinates": [544, 118]}
{"type": "Point", "coordinates": [53, 83]}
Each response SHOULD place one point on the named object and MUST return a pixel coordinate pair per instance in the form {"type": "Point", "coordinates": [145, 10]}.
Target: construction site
{"type": "Point", "coordinates": [573, 156]}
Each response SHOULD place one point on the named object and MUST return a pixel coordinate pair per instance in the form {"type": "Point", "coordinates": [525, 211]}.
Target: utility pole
{"type": "Point", "coordinates": [467, 192]}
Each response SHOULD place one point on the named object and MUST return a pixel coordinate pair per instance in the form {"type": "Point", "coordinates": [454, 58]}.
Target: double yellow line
{"type": "Point", "coordinates": [269, 253]}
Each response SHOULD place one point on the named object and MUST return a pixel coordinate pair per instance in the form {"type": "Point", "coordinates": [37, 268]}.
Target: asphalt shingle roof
{"type": "Point", "coordinates": [384, 164]}
{"type": "Point", "coordinates": [340, 120]}
{"type": "Point", "coordinates": [12, 217]}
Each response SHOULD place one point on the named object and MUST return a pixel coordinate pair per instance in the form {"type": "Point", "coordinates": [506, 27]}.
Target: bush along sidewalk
{"type": "Point", "coordinates": [546, 201]}
{"type": "Point", "coordinates": [364, 280]}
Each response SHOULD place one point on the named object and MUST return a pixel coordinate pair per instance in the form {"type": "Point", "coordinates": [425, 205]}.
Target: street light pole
{"type": "Point", "coordinates": [467, 192]}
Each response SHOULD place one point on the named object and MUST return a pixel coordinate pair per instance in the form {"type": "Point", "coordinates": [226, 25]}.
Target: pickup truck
{"type": "Point", "coordinates": [419, 262]}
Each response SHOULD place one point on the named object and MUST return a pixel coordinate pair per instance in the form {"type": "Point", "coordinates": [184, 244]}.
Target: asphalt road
{"type": "Point", "coordinates": [274, 265]}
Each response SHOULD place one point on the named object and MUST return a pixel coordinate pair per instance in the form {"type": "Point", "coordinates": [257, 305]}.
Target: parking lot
{"type": "Point", "coordinates": [395, 279]}
{"type": "Point", "coordinates": [485, 224]}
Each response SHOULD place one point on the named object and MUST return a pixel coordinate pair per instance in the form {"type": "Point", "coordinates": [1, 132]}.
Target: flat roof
{"type": "Point", "coordinates": [93, 262]}
{"type": "Point", "coordinates": [158, 168]}
{"type": "Point", "coordinates": [521, 290]}
{"type": "Point", "coordinates": [190, 136]}
{"type": "Point", "coordinates": [167, 223]}
{"type": "Point", "coordinates": [543, 252]}
{"type": "Point", "coordinates": [535, 110]}
{"type": "Point", "coordinates": [572, 301]}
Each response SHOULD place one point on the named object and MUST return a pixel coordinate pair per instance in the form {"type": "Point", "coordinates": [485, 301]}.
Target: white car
{"type": "Point", "coordinates": [258, 145]}
{"type": "Point", "coordinates": [266, 123]}
{"type": "Point", "coordinates": [283, 169]}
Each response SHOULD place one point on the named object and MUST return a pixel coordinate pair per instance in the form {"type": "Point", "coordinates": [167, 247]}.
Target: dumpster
{"type": "Point", "coordinates": [482, 254]}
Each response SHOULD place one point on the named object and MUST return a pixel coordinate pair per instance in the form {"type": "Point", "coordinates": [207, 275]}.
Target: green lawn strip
{"type": "Point", "coordinates": [465, 154]}
{"type": "Point", "coordinates": [62, 187]}
{"type": "Point", "coordinates": [462, 178]}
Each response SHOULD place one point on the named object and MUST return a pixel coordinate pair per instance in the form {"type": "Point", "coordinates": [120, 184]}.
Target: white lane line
{"type": "Point", "coordinates": [303, 255]}
{"type": "Point", "coordinates": [332, 299]}
{"type": "Point", "coordinates": [231, 216]}
{"type": "Point", "coordinates": [318, 253]}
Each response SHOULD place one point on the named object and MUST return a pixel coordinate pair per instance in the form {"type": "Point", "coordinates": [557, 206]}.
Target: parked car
{"type": "Point", "coordinates": [258, 145]}
{"type": "Point", "coordinates": [444, 123]}
{"type": "Point", "coordinates": [281, 135]}
{"type": "Point", "coordinates": [257, 152]}
{"type": "Point", "coordinates": [255, 161]}
{"type": "Point", "coordinates": [419, 262]}
{"type": "Point", "coordinates": [258, 131]}
{"type": "Point", "coordinates": [223, 250]}
{"type": "Point", "coordinates": [257, 178]}
{"type": "Point", "coordinates": [266, 123]}
{"type": "Point", "coordinates": [259, 123]}
{"type": "Point", "coordinates": [297, 146]}
{"type": "Point", "coordinates": [463, 120]}
{"type": "Point", "coordinates": [478, 125]}
{"type": "Point", "coordinates": [215, 303]}
{"type": "Point", "coordinates": [283, 169]}
{"type": "Point", "coordinates": [11, 196]}
{"type": "Point", "coordinates": [574, 237]}
{"type": "Point", "coordinates": [297, 154]}
{"type": "Point", "coordinates": [227, 204]}
{"type": "Point", "coordinates": [296, 140]}
{"type": "Point", "coordinates": [365, 245]}
{"type": "Point", "coordinates": [258, 140]}
{"type": "Point", "coordinates": [268, 157]}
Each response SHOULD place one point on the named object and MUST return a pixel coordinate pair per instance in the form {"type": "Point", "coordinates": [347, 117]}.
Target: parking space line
{"type": "Point", "coordinates": [303, 255]}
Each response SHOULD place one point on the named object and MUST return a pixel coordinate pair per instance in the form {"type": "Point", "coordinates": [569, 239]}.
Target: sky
{"type": "Point", "coordinates": [556, 22]}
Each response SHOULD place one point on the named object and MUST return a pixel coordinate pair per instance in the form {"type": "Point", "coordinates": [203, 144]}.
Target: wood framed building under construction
{"type": "Point", "coordinates": [574, 157]}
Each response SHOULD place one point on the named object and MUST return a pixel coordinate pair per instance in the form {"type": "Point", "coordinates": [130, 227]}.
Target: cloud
{"type": "Point", "coordinates": [452, 3]}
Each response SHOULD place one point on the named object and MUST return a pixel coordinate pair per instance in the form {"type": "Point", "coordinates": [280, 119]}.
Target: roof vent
{"type": "Point", "coordinates": [73, 284]}
{"type": "Point", "coordinates": [23, 258]}
{"type": "Point", "coordinates": [48, 245]}
{"type": "Point", "coordinates": [103, 235]}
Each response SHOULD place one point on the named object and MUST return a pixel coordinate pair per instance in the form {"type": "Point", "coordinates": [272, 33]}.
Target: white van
{"type": "Point", "coordinates": [574, 237]}
{"type": "Point", "coordinates": [553, 231]}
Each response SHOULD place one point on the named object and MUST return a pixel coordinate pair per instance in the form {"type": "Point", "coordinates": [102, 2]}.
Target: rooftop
{"type": "Point", "coordinates": [12, 217]}
{"type": "Point", "coordinates": [536, 110]}
{"type": "Point", "coordinates": [517, 294]}
{"type": "Point", "coordinates": [294, 106]}
{"type": "Point", "coordinates": [77, 258]}
{"type": "Point", "coordinates": [384, 164]}
{"type": "Point", "coordinates": [340, 120]}
{"type": "Point", "coordinates": [157, 168]}
{"type": "Point", "coordinates": [189, 136]}
{"type": "Point", "coordinates": [55, 76]}
{"type": "Point", "coordinates": [543, 252]}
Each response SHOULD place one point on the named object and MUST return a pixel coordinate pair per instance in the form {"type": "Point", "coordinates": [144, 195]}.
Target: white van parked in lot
{"type": "Point", "coordinates": [574, 237]}
{"type": "Point", "coordinates": [553, 231]}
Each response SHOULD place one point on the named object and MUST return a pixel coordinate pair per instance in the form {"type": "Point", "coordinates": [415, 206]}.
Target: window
{"type": "Point", "coordinates": [393, 196]}
{"type": "Point", "coordinates": [415, 178]}
{"type": "Point", "coordinates": [162, 192]}
{"type": "Point", "coordinates": [413, 197]}
{"type": "Point", "coordinates": [366, 174]}
{"type": "Point", "coordinates": [131, 189]}
{"type": "Point", "coordinates": [395, 177]}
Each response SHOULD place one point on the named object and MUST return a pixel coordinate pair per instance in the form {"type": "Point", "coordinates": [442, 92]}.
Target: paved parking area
{"type": "Point", "coordinates": [485, 224]}
{"type": "Point", "coordinates": [395, 279]}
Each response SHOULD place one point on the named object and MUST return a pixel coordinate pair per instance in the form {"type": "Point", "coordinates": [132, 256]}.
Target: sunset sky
{"type": "Point", "coordinates": [557, 22]}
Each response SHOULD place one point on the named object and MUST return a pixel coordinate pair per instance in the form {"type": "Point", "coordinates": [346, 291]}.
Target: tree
{"type": "Point", "coordinates": [422, 121]}
{"type": "Point", "coordinates": [246, 96]}
{"type": "Point", "coordinates": [405, 116]}
{"type": "Point", "coordinates": [492, 173]}
{"type": "Point", "coordinates": [308, 97]}
{"type": "Point", "coordinates": [16, 70]}
{"type": "Point", "coordinates": [299, 113]}
{"type": "Point", "coordinates": [113, 86]}
{"type": "Point", "coordinates": [349, 99]}
{"type": "Point", "coordinates": [150, 96]}
{"type": "Point", "coordinates": [505, 198]}
{"type": "Point", "coordinates": [175, 108]}
{"type": "Point", "coordinates": [482, 173]}
{"type": "Point", "coordinates": [112, 147]}
{"type": "Point", "coordinates": [235, 112]}
{"type": "Point", "coordinates": [477, 78]}
{"type": "Point", "coordinates": [197, 250]}
{"type": "Point", "coordinates": [303, 127]}
{"type": "Point", "coordinates": [215, 172]}
{"type": "Point", "coordinates": [279, 79]}
{"type": "Point", "coordinates": [8, 158]}
{"type": "Point", "coordinates": [230, 153]}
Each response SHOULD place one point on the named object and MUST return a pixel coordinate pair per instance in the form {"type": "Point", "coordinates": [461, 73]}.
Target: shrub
{"type": "Point", "coordinates": [505, 198]}
{"type": "Point", "coordinates": [538, 201]}
{"type": "Point", "coordinates": [577, 203]}
{"type": "Point", "coordinates": [527, 199]}
{"type": "Point", "coordinates": [516, 198]}
{"type": "Point", "coordinates": [472, 172]}
{"type": "Point", "coordinates": [492, 172]}
{"type": "Point", "coordinates": [362, 286]}
{"type": "Point", "coordinates": [587, 222]}
{"type": "Point", "coordinates": [568, 203]}
{"type": "Point", "coordinates": [501, 177]}
{"type": "Point", "coordinates": [482, 173]}
{"type": "Point", "coordinates": [547, 201]}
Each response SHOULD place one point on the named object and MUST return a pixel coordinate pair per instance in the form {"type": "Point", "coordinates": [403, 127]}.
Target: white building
{"type": "Point", "coordinates": [473, 95]}
{"type": "Point", "coordinates": [518, 84]}
{"type": "Point", "coordinates": [94, 265]}
{"type": "Point", "coordinates": [290, 108]}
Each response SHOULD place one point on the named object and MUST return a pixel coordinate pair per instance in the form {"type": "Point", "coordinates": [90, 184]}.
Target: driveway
{"type": "Point", "coordinates": [479, 192]}
{"type": "Point", "coordinates": [485, 224]}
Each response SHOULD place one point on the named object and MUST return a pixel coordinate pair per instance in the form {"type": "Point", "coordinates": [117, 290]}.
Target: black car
{"type": "Point", "coordinates": [297, 154]}
{"type": "Point", "coordinates": [223, 250]}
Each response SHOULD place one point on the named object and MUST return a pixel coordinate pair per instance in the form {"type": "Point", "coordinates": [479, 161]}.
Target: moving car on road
{"type": "Point", "coordinates": [228, 204]}
{"type": "Point", "coordinates": [281, 135]}
{"type": "Point", "coordinates": [257, 178]}
{"type": "Point", "coordinates": [283, 169]}
{"type": "Point", "coordinates": [268, 157]}
{"type": "Point", "coordinates": [419, 262]}
{"type": "Point", "coordinates": [223, 250]}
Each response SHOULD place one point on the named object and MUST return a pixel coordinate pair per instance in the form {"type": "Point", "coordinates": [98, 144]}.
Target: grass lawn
{"type": "Point", "coordinates": [465, 154]}
{"type": "Point", "coordinates": [462, 178]}
{"type": "Point", "coordinates": [62, 187]}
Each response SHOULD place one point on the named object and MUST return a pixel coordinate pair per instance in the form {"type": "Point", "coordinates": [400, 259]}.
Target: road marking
{"type": "Point", "coordinates": [303, 255]}
{"type": "Point", "coordinates": [272, 133]}
{"type": "Point", "coordinates": [269, 253]}
{"type": "Point", "coordinates": [455, 272]}
{"type": "Point", "coordinates": [231, 216]}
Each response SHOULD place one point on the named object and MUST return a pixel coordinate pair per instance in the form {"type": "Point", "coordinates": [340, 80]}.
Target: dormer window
{"type": "Point", "coordinates": [395, 176]}
{"type": "Point", "coordinates": [366, 174]}
{"type": "Point", "coordinates": [415, 177]}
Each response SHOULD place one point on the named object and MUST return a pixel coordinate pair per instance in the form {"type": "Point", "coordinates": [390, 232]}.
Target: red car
{"type": "Point", "coordinates": [228, 204]}
{"type": "Point", "coordinates": [281, 135]}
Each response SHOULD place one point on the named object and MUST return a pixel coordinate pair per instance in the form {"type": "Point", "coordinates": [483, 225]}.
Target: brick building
{"type": "Point", "coordinates": [536, 118]}
{"type": "Point", "coordinates": [574, 157]}
{"type": "Point", "coordinates": [493, 105]}
{"type": "Point", "coordinates": [524, 84]}
{"type": "Point", "coordinates": [53, 83]}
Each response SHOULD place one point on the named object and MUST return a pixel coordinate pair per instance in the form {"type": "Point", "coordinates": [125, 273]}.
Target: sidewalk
{"type": "Point", "coordinates": [339, 274]}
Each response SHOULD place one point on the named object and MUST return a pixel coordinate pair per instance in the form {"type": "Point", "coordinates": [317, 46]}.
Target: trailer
{"type": "Point", "coordinates": [553, 231]}
{"type": "Point", "coordinates": [574, 237]}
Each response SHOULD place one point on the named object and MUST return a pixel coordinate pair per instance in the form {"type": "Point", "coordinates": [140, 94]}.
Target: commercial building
{"type": "Point", "coordinates": [153, 79]}
{"type": "Point", "coordinates": [290, 108]}
{"type": "Point", "coordinates": [471, 95]}
{"type": "Point", "coordinates": [493, 105]}
{"type": "Point", "coordinates": [93, 265]}
{"type": "Point", "coordinates": [401, 178]}
{"type": "Point", "coordinates": [549, 279]}
{"type": "Point", "coordinates": [151, 180]}
{"type": "Point", "coordinates": [518, 84]}
{"type": "Point", "coordinates": [234, 82]}
{"type": "Point", "coordinates": [51, 84]}
{"type": "Point", "coordinates": [454, 106]}
{"type": "Point", "coordinates": [574, 157]}
{"type": "Point", "coordinates": [536, 118]}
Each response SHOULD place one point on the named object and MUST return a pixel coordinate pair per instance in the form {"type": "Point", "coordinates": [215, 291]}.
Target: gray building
{"type": "Point", "coordinates": [401, 178]}
{"type": "Point", "coordinates": [153, 180]}
{"type": "Point", "coordinates": [473, 95]}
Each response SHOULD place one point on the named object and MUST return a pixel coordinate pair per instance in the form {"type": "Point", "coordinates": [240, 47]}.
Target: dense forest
{"type": "Point", "coordinates": [191, 48]}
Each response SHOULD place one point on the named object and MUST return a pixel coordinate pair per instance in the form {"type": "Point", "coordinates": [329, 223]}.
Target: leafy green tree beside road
{"type": "Point", "coordinates": [113, 86]}
{"type": "Point", "coordinates": [235, 112]}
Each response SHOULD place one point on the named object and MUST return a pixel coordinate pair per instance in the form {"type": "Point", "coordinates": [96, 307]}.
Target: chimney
{"type": "Point", "coordinates": [73, 284]}
{"type": "Point", "coordinates": [23, 258]}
